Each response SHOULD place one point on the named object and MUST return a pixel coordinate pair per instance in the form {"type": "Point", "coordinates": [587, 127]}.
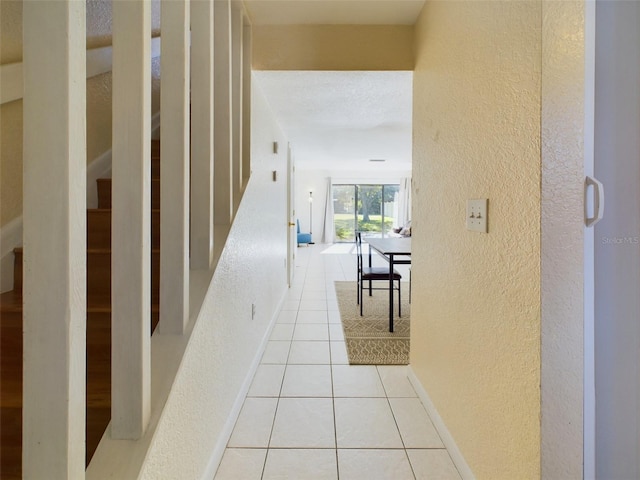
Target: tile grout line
{"type": "Point", "coordinates": [333, 401]}
{"type": "Point", "coordinates": [308, 284]}
{"type": "Point", "coordinates": [273, 422]}
{"type": "Point", "coordinates": [395, 421]}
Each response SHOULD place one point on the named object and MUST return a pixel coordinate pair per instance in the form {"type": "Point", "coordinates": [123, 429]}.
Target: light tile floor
{"type": "Point", "coordinates": [310, 415]}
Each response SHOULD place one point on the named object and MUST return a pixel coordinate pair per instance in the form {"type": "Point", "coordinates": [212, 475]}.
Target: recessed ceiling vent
{"type": "Point", "coordinates": [377, 160]}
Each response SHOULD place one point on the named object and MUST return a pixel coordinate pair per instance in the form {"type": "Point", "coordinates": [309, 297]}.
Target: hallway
{"type": "Point", "coordinates": [309, 415]}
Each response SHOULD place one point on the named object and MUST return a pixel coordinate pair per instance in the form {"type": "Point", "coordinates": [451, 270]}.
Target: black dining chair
{"type": "Point", "coordinates": [368, 273]}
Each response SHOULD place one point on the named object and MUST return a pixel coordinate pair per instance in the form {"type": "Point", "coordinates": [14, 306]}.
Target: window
{"type": "Point", "coordinates": [370, 209]}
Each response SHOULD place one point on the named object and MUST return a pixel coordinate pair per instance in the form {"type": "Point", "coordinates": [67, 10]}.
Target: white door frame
{"type": "Point", "coordinates": [291, 216]}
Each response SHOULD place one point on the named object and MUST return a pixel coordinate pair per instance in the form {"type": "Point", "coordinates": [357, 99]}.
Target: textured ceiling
{"type": "Point", "coordinates": [341, 120]}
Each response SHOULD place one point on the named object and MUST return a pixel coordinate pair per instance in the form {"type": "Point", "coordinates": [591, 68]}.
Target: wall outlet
{"type": "Point", "coordinates": [477, 215]}
{"type": "Point", "coordinates": [253, 311]}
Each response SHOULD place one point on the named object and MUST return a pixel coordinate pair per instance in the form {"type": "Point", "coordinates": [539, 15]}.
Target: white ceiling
{"type": "Point", "coordinates": [341, 120]}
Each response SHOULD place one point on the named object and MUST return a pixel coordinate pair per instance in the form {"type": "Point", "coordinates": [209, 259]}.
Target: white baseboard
{"type": "Point", "coordinates": [225, 435]}
{"type": "Point", "coordinates": [438, 423]}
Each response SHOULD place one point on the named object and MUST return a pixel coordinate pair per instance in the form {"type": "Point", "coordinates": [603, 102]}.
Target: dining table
{"type": "Point", "coordinates": [396, 251]}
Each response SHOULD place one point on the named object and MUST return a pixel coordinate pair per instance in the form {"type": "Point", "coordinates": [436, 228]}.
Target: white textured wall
{"type": "Point", "coordinates": [225, 339]}
{"type": "Point", "coordinates": [475, 334]}
{"type": "Point", "coordinates": [225, 342]}
{"type": "Point", "coordinates": [562, 228]}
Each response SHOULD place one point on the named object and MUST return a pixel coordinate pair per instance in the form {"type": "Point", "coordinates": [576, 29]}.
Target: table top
{"type": "Point", "coordinates": [391, 245]}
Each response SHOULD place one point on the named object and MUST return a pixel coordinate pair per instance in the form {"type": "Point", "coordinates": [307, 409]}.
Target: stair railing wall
{"type": "Point", "coordinates": [99, 61]}
{"type": "Point", "coordinates": [210, 204]}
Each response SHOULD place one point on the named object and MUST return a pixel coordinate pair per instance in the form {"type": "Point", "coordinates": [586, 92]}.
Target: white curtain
{"type": "Point", "coordinates": [404, 202]}
{"type": "Point", "coordinates": [328, 235]}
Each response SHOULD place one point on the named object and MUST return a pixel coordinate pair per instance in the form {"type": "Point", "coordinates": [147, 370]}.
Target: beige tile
{"type": "Point", "coordinates": [304, 423]}
{"type": "Point", "coordinates": [313, 304]}
{"type": "Point", "coordinates": [356, 381]}
{"type": "Point", "coordinates": [311, 332]}
{"type": "Point", "coordinates": [433, 464]}
{"type": "Point", "coordinates": [317, 464]}
{"type": "Point", "coordinates": [276, 352]}
{"type": "Point", "coordinates": [287, 316]}
{"type": "Point", "coordinates": [314, 295]}
{"type": "Point", "coordinates": [365, 423]}
{"type": "Point", "coordinates": [309, 353]}
{"type": "Point", "coordinates": [291, 305]}
{"type": "Point", "coordinates": [334, 316]}
{"type": "Point", "coordinates": [395, 380]}
{"type": "Point", "coordinates": [241, 464]}
{"type": "Point", "coordinates": [415, 426]}
{"type": "Point", "coordinates": [336, 334]}
{"type": "Point", "coordinates": [282, 331]}
{"type": "Point", "coordinates": [312, 316]}
{"type": "Point", "coordinates": [267, 381]}
{"type": "Point", "coordinates": [294, 293]}
{"type": "Point", "coordinates": [254, 424]}
{"type": "Point", "coordinates": [307, 381]}
{"type": "Point", "coordinates": [314, 282]}
{"type": "Point", "coordinates": [339, 353]}
{"type": "Point", "coordinates": [306, 356]}
{"type": "Point", "coordinates": [374, 465]}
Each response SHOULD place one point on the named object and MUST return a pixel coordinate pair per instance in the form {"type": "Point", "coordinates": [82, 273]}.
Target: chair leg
{"type": "Point", "coordinates": [399, 300]}
{"type": "Point", "coordinates": [370, 289]}
{"type": "Point", "coordinates": [361, 298]}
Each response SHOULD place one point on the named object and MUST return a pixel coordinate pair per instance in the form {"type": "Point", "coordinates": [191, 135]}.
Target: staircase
{"type": "Point", "coordinates": [98, 404]}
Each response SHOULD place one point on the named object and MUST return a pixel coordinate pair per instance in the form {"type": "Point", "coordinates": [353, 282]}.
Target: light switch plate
{"type": "Point", "coordinates": [477, 215]}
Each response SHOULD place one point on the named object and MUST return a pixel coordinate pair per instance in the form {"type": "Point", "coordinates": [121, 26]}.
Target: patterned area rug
{"type": "Point", "coordinates": [368, 339]}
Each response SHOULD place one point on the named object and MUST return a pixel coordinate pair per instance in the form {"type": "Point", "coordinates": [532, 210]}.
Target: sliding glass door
{"type": "Point", "coordinates": [370, 209]}
{"type": "Point", "coordinates": [344, 212]}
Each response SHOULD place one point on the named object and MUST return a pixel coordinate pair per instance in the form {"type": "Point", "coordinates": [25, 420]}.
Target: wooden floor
{"type": "Point", "coordinates": [98, 404]}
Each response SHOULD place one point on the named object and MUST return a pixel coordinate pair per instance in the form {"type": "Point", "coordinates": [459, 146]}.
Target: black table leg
{"type": "Point", "coordinates": [391, 293]}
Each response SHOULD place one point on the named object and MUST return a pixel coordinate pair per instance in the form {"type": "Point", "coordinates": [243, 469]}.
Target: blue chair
{"type": "Point", "coordinates": [303, 237]}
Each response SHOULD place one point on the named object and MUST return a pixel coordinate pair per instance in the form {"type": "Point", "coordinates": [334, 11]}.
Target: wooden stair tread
{"type": "Point", "coordinates": [11, 394]}
{"type": "Point", "coordinates": [106, 307]}
{"type": "Point", "coordinates": [104, 251]}
{"type": "Point", "coordinates": [153, 210]}
{"type": "Point", "coordinates": [98, 396]}
{"type": "Point", "coordinates": [11, 302]}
